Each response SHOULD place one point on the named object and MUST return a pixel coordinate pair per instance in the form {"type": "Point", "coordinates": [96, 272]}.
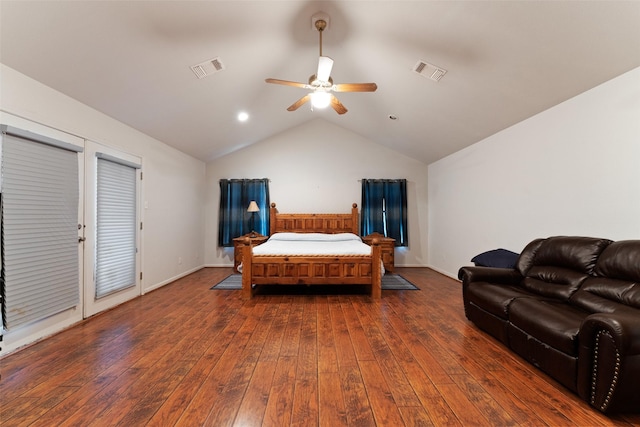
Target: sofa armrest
{"type": "Point", "coordinates": [624, 328]}
{"type": "Point", "coordinates": [505, 276]}
{"type": "Point", "coordinates": [609, 360]}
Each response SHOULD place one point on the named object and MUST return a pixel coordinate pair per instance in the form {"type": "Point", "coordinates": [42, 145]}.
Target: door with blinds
{"type": "Point", "coordinates": [41, 218]}
{"type": "Point", "coordinates": [112, 233]}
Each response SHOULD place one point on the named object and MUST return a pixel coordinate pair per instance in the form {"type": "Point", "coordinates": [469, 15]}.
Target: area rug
{"type": "Point", "coordinates": [389, 282]}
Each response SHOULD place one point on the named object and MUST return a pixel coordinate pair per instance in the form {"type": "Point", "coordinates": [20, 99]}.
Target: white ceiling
{"type": "Point", "coordinates": [506, 61]}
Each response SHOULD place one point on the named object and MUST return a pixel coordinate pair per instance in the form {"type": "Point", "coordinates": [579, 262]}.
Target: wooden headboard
{"type": "Point", "coordinates": [313, 223]}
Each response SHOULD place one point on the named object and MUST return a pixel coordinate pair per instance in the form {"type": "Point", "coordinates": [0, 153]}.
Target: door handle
{"type": "Point", "coordinates": [81, 239]}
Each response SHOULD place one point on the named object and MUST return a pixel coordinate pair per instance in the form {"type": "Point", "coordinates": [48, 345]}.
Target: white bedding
{"type": "Point", "coordinates": [313, 244]}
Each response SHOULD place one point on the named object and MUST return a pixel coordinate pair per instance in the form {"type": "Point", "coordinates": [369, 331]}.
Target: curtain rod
{"type": "Point", "coordinates": [245, 179]}
{"type": "Point", "coordinates": [382, 179]}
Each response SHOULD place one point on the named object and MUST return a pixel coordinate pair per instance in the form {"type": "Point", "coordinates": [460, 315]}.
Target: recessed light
{"type": "Point", "coordinates": [243, 116]}
{"type": "Point", "coordinates": [393, 117]}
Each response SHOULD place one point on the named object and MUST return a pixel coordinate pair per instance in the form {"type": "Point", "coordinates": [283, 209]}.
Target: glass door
{"type": "Point", "coordinates": [112, 231]}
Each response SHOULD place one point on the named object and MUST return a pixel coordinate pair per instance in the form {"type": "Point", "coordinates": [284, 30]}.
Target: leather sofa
{"type": "Point", "coordinates": [571, 307]}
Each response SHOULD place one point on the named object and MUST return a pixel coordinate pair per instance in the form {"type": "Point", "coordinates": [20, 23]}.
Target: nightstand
{"type": "Point", "coordinates": [238, 242]}
{"type": "Point", "coordinates": [387, 246]}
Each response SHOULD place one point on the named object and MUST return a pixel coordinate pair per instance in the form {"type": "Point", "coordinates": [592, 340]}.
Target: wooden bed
{"type": "Point", "coordinates": [312, 269]}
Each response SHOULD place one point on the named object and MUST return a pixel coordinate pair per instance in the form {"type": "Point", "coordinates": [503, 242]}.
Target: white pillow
{"type": "Point", "coordinates": [315, 237]}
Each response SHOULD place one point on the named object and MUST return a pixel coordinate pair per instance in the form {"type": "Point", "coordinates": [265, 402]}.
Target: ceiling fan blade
{"type": "Point", "coordinates": [355, 87]}
{"type": "Point", "coordinates": [325, 64]}
{"type": "Point", "coordinates": [287, 83]}
{"type": "Point", "coordinates": [337, 105]}
{"type": "Point", "coordinates": [299, 103]}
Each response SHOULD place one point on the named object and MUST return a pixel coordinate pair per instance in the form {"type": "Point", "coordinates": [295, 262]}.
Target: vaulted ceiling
{"type": "Point", "coordinates": [505, 61]}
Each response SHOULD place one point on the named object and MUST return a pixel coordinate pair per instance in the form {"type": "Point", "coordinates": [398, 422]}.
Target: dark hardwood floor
{"type": "Point", "coordinates": [187, 355]}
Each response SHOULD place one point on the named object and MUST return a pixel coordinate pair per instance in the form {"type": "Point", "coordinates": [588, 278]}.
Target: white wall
{"type": "Point", "coordinates": [313, 168]}
{"type": "Point", "coordinates": [571, 170]}
{"type": "Point", "coordinates": [173, 184]}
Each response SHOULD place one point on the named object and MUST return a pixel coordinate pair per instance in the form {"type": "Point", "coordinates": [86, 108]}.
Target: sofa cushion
{"type": "Point", "coordinates": [604, 295]}
{"type": "Point", "coordinates": [576, 253]}
{"type": "Point", "coordinates": [553, 282]}
{"type": "Point", "coordinates": [554, 323]}
{"type": "Point", "coordinates": [500, 258]}
{"type": "Point", "coordinates": [528, 254]}
{"type": "Point", "coordinates": [495, 299]}
{"type": "Point", "coordinates": [616, 285]}
{"type": "Point", "coordinates": [620, 260]}
{"type": "Point", "coordinates": [560, 264]}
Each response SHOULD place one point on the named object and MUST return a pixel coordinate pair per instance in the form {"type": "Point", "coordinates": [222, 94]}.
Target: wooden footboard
{"type": "Point", "coordinates": [312, 270]}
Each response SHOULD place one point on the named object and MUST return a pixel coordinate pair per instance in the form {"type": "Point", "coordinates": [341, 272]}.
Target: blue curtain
{"type": "Point", "coordinates": [234, 220]}
{"type": "Point", "coordinates": [384, 209]}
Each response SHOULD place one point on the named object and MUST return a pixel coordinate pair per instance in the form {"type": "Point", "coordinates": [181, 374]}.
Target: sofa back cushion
{"type": "Point", "coordinates": [603, 295]}
{"type": "Point", "coordinates": [557, 266]}
{"type": "Point", "coordinates": [616, 281]}
{"type": "Point", "coordinates": [620, 260]}
{"type": "Point", "coordinates": [528, 254]}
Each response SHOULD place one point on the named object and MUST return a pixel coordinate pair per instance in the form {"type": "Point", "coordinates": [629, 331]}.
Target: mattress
{"type": "Point", "coordinates": [293, 244]}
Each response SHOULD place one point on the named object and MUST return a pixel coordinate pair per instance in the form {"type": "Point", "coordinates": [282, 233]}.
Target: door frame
{"type": "Point", "coordinates": [27, 334]}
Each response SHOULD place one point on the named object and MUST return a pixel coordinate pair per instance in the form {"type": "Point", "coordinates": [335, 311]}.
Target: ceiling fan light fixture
{"type": "Point", "coordinates": [320, 99]}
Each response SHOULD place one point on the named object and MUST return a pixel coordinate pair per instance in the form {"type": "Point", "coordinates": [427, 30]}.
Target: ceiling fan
{"type": "Point", "coordinates": [321, 84]}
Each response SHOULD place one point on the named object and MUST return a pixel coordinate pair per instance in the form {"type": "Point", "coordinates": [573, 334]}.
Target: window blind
{"type": "Point", "coordinates": [40, 228]}
{"type": "Point", "coordinates": [115, 226]}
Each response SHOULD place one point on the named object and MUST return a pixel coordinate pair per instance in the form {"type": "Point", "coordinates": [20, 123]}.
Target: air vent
{"type": "Point", "coordinates": [429, 71]}
{"type": "Point", "coordinates": [207, 68]}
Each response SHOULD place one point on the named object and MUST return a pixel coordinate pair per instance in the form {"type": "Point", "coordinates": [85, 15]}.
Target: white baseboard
{"type": "Point", "coordinates": [446, 273]}
{"type": "Point", "coordinates": [172, 279]}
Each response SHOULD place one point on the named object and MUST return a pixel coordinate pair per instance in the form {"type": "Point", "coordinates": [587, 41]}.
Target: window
{"type": "Point", "coordinates": [234, 219]}
{"type": "Point", "coordinates": [384, 209]}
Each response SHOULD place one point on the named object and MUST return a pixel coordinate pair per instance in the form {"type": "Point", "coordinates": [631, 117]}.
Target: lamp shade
{"type": "Point", "coordinates": [253, 207]}
{"type": "Point", "coordinates": [320, 99]}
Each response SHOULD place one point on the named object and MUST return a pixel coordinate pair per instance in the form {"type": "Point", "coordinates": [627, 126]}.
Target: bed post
{"type": "Point", "coordinates": [376, 269]}
{"type": "Point", "coordinates": [273, 212]}
{"type": "Point", "coordinates": [247, 254]}
{"type": "Point", "coordinates": [354, 218]}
